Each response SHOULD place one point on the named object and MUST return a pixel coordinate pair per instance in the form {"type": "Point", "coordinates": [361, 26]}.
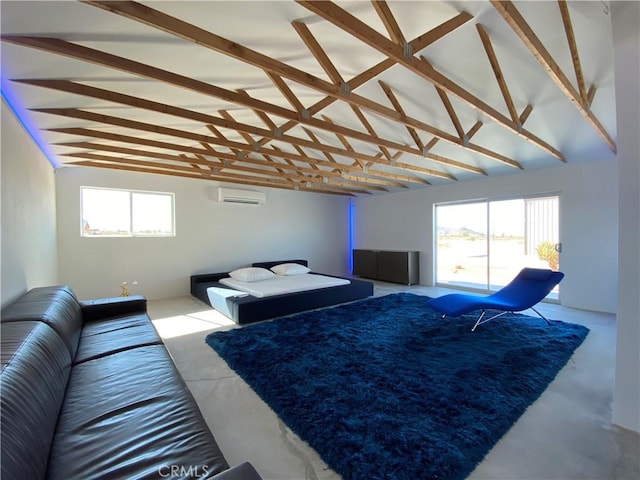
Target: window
{"type": "Point", "coordinates": [107, 212]}
{"type": "Point", "coordinates": [483, 245]}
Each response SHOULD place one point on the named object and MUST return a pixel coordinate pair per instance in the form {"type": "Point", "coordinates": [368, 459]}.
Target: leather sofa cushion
{"type": "Point", "coordinates": [105, 337]}
{"type": "Point", "coordinates": [55, 306]}
{"type": "Point", "coordinates": [35, 369]}
{"type": "Point", "coordinates": [128, 414]}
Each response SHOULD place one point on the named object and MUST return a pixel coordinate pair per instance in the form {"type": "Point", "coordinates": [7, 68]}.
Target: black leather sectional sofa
{"type": "Point", "coordinates": [89, 391]}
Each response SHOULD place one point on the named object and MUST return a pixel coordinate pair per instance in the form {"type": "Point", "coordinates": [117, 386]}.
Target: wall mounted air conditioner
{"type": "Point", "coordinates": [248, 197]}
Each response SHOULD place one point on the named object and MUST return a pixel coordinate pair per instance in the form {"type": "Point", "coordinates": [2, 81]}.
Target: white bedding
{"type": "Point", "coordinates": [284, 284]}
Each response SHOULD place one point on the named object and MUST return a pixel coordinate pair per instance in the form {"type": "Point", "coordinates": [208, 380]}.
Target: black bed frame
{"type": "Point", "coordinates": [250, 309]}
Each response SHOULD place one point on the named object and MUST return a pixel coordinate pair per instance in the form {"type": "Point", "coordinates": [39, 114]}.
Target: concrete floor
{"type": "Point", "coordinates": [565, 434]}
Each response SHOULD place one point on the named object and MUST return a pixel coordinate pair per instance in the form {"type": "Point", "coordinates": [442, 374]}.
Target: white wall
{"type": "Point", "coordinates": [626, 33]}
{"type": "Point", "coordinates": [28, 212]}
{"type": "Point", "coordinates": [211, 236]}
{"type": "Point", "coordinates": [588, 224]}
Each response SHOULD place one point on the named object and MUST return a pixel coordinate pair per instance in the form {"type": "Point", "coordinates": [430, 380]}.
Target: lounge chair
{"type": "Point", "coordinates": [527, 289]}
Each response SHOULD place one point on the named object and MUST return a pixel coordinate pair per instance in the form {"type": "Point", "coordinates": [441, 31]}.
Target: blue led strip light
{"type": "Point", "coordinates": [350, 235]}
{"type": "Point", "coordinates": [31, 130]}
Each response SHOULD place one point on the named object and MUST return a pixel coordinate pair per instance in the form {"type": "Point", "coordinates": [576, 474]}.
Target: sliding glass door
{"type": "Point", "coordinates": [462, 250]}
{"type": "Point", "coordinates": [482, 245]}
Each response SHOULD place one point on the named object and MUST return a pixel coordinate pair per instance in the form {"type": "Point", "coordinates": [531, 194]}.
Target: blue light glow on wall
{"type": "Point", "coordinates": [351, 214]}
{"type": "Point", "coordinates": [11, 102]}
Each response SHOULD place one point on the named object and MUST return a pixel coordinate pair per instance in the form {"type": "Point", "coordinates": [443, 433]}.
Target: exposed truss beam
{"type": "Point", "coordinates": [64, 85]}
{"type": "Point", "coordinates": [187, 31]}
{"type": "Point", "coordinates": [352, 25]}
{"type": "Point", "coordinates": [497, 71]}
{"type": "Point", "coordinates": [219, 139]}
{"type": "Point", "coordinates": [416, 44]}
{"type": "Point", "coordinates": [573, 48]}
{"type": "Point", "coordinates": [224, 157]}
{"type": "Point", "coordinates": [516, 21]}
{"type": "Point", "coordinates": [318, 52]}
{"type": "Point", "coordinates": [396, 105]}
{"type": "Point", "coordinates": [242, 150]}
{"type": "Point", "coordinates": [62, 47]}
{"type": "Point", "coordinates": [393, 29]}
{"type": "Point", "coordinates": [94, 92]}
{"type": "Point", "coordinates": [454, 116]}
{"type": "Point", "coordinates": [181, 159]}
{"type": "Point", "coordinates": [116, 163]}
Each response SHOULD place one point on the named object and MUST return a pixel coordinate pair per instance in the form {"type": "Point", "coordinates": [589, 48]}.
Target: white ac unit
{"type": "Point", "coordinates": [248, 197]}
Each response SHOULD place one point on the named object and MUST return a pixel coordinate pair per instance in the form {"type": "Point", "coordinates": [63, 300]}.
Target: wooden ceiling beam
{"type": "Point", "coordinates": [286, 92]}
{"type": "Point", "coordinates": [111, 120]}
{"type": "Point", "coordinates": [94, 92]}
{"type": "Point", "coordinates": [439, 158]}
{"type": "Point", "coordinates": [198, 161]}
{"type": "Point", "coordinates": [474, 129]}
{"type": "Point", "coordinates": [318, 52]}
{"type": "Point", "coordinates": [370, 129]}
{"type": "Point", "coordinates": [396, 35]}
{"type": "Point", "coordinates": [591, 94]}
{"type": "Point", "coordinates": [451, 112]}
{"type": "Point", "coordinates": [119, 137]}
{"type": "Point", "coordinates": [218, 135]}
{"type": "Point", "coordinates": [116, 137]}
{"type": "Point", "coordinates": [518, 24]}
{"type": "Point", "coordinates": [416, 44]}
{"type": "Point", "coordinates": [352, 25]}
{"type": "Point", "coordinates": [497, 71]}
{"type": "Point", "coordinates": [430, 156]}
{"type": "Point", "coordinates": [187, 31]}
{"type": "Point", "coordinates": [130, 151]}
{"type": "Point", "coordinates": [247, 138]}
{"type": "Point", "coordinates": [79, 52]}
{"type": "Point", "coordinates": [266, 120]}
{"type": "Point", "coordinates": [345, 143]}
{"type": "Point", "coordinates": [389, 22]}
{"type": "Point", "coordinates": [573, 48]}
{"type": "Point", "coordinates": [209, 151]}
{"type": "Point", "coordinates": [525, 114]}
{"type": "Point", "coordinates": [104, 161]}
{"type": "Point", "coordinates": [114, 164]}
{"type": "Point", "coordinates": [151, 163]}
{"type": "Point", "coordinates": [303, 154]}
{"type": "Point", "coordinates": [398, 108]}
{"type": "Point", "coordinates": [314, 138]}
{"type": "Point", "coordinates": [61, 47]}
{"type": "Point", "coordinates": [251, 142]}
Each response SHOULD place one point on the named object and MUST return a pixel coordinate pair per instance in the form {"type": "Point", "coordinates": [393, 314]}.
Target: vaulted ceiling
{"type": "Point", "coordinates": [348, 98]}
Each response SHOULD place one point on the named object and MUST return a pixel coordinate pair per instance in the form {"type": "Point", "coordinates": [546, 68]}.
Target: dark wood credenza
{"type": "Point", "coordinates": [387, 265]}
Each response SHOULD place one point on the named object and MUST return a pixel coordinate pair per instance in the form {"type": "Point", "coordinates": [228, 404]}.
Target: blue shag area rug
{"type": "Point", "coordinates": [384, 388]}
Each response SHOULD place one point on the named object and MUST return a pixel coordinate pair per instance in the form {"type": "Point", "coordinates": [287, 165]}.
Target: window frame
{"type": "Point", "coordinates": [554, 297]}
{"type": "Point", "coordinates": [131, 193]}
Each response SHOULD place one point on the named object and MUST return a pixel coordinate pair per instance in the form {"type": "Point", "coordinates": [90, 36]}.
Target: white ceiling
{"type": "Point", "coordinates": [266, 27]}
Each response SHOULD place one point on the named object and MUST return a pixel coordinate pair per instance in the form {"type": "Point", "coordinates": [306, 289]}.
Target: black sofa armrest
{"type": "Point", "coordinates": [244, 471]}
{"type": "Point", "coordinates": [102, 308]}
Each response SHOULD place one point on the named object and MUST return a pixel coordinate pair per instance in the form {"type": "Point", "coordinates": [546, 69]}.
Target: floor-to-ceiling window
{"type": "Point", "coordinates": [484, 244]}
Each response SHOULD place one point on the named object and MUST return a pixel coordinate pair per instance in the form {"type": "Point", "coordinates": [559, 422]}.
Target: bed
{"type": "Point", "coordinates": [244, 308]}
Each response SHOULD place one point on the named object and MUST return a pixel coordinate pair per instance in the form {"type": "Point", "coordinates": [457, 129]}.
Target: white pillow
{"type": "Point", "coordinates": [251, 274]}
{"type": "Point", "coordinates": [290, 269]}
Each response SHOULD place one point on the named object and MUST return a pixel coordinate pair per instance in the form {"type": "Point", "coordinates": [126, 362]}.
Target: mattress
{"type": "Point", "coordinates": [281, 284]}
{"type": "Point", "coordinates": [218, 298]}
